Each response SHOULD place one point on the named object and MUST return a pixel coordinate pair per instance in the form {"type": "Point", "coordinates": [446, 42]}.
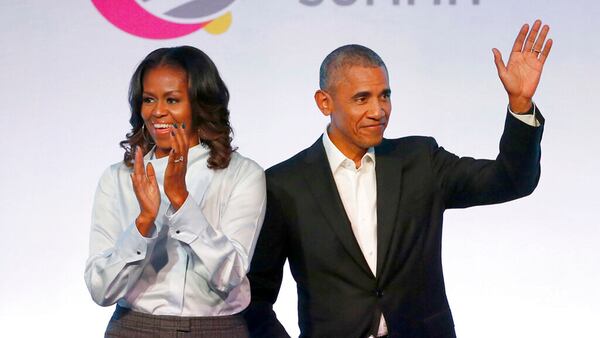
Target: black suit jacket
{"type": "Point", "coordinates": [338, 296]}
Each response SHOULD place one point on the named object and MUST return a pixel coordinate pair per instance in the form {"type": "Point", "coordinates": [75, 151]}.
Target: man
{"type": "Point", "coordinates": [360, 217]}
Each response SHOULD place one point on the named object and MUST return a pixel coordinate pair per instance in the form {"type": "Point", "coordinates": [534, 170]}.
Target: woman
{"type": "Point", "coordinates": [175, 223]}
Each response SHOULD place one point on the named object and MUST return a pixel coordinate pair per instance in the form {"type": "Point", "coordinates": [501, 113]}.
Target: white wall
{"type": "Point", "coordinates": [523, 269]}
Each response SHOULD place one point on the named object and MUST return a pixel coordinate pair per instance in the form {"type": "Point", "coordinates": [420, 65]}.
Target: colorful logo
{"type": "Point", "coordinates": [166, 19]}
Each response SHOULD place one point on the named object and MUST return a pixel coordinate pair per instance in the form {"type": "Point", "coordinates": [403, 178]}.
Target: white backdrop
{"type": "Point", "coordinates": [529, 268]}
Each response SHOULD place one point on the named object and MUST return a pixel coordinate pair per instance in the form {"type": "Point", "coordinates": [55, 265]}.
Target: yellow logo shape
{"type": "Point", "coordinates": [219, 25]}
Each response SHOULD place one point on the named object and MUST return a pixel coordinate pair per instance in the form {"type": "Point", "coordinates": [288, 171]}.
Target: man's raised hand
{"type": "Point", "coordinates": [521, 76]}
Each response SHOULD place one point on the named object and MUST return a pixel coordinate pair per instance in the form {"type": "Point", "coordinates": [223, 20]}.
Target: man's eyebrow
{"type": "Point", "coordinates": [386, 91]}
{"type": "Point", "coordinates": [361, 94]}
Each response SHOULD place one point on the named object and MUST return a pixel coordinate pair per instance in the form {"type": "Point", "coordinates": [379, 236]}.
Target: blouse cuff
{"type": "Point", "coordinates": [187, 222]}
{"type": "Point", "coordinates": [132, 246]}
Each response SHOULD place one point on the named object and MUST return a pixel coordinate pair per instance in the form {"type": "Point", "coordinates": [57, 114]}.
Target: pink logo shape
{"type": "Point", "coordinates": [132, 18]}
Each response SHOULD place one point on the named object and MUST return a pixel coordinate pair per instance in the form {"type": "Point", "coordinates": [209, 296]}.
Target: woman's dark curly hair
{"type": "Point", "coordinates": [208, 95]}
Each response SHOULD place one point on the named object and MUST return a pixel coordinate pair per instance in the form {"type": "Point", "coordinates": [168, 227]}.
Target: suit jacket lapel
{"type": "Point", "coordinates": [322, 185]}
{"type": "Point", "coordinates": [388, 171]}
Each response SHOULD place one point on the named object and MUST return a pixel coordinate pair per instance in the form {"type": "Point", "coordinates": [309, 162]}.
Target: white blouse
{"type": "Point", "coordinates": [195, 262]}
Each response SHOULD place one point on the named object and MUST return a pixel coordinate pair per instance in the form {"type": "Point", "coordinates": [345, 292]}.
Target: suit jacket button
{"type": "Point", "coordinates": [379, 293]}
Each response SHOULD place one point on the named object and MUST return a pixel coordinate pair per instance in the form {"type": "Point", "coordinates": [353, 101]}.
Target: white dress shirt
{"type": "Point", "coordinates": [196, 259]}
{"type": "Point", "coordinates": [358, 191]}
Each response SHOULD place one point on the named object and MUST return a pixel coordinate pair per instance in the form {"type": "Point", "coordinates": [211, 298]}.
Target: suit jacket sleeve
{"type": "Point", "coordinates": [266, 270]}
{"type": "Point", "coordinates": [515, 172]}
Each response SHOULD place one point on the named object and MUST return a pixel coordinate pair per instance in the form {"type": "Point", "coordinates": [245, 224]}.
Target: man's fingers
{"type": "Point", "coordinates": [532, 36]}
{"type": "Point", "coordinates": [498, 61]}
{"type": "Point", "coordinates": [518, 45]}
{"type": "Point", "coordinates": [546, 51]}
{"type": "Point", "coordinates": [539, 43]}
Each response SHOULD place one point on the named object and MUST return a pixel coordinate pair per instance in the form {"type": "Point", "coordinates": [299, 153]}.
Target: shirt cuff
{"type": "Point", "coordinates": [186, 223]}
{"type": "Point", "coordinates": [132, 246]}
{"type": "Point", "coordinates": [528, 118]}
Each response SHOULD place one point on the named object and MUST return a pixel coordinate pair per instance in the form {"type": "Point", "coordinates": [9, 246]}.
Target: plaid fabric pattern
{"type": "Point", "coordinates": [126, 323]}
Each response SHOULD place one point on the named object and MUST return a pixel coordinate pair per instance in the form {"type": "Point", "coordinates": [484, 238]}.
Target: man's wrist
{"type": "Point", "coordinates": [520, 105]}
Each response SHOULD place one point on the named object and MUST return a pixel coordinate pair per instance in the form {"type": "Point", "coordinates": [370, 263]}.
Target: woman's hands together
{"type": "Point", "coordinates": [145, 184]}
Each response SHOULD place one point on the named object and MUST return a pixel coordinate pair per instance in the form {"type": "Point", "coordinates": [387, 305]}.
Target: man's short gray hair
{"type": "Point", "coordinates": [346, 56]}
